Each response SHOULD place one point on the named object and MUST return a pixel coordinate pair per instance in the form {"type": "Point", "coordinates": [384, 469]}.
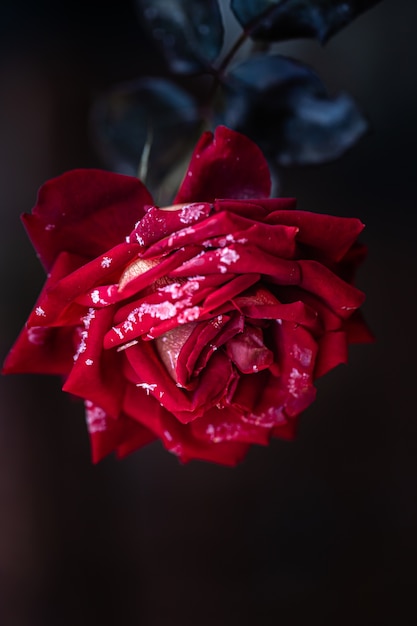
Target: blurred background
{"type": "Point", "coordinates": [322, 530]}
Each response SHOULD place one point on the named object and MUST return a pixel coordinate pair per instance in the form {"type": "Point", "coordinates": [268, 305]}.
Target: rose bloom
{"type": "Point", "coordinates": [203, 324]}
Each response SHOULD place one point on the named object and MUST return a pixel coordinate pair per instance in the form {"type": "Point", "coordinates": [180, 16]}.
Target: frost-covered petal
{"type": "Point", "coordinates": [241, 259]}
{"type": "Point", "coordinates": [179, 438]}
{"type": "Point", "coordinates": [157, 224]}
{"type": "Point", "coordinates": [121, 435]}
{"type": "Point", "coordinates": [96, 374]}
{"type": "Point", "coordinates": [40, 349]}
{"type": "Point", "coordinates": [226, 425]}
{"type": "Point", "coordinates": [63, 293]}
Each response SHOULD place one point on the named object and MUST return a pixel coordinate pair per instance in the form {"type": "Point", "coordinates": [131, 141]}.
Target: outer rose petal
{"type": "Point", "coordinates": [85, 212]}
{"type": "Point", "coordinates": [331, 236]}
{"type": "Point", "coordinates": [333, 350]}
{"type": "Point", "coordinates": [341, 297]}
{"type": "Point", "coordinates": [223, 425]}
{"type": "Point", "coordinates": [225, 165]}
{"type": "Point", "coordinates": [96, 374]}
{"type": "Point", "coordinates": [61, 296]}
{"type": "Point", "coordinates": [107, 435]}
{"type": "Point", "coordinates": [179, 438]}
{"type": "Point", "coordinates": [40, 349]}
{"type": "Point", "coordinates": [357, 329]}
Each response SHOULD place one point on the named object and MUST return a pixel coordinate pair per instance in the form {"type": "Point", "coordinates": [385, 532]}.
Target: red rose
{"type": "Point", "coordinates": [203, 325]}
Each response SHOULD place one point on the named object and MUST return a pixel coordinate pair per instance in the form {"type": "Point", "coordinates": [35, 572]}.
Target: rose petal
{"type": "Point", "coordinates": [233, 325]}
{"type": "Point", "coordinates": [158, 223]}
{"type": "Point", "coordinates": [248, 351]}
{"type": "Point", "coordinates": [354, 257]}
{"type": "Point", "coordinates": [241, 259]}
{"type": "Point", "coordinates": [248, 391]}
{"type": "Point", "coordinates": [186, 406]}
{"type": "Point", "coordinates": [219, 224]}
{"type": "Point", "coordinates": [292, 392]}
{"type": "Point", "coordinates": [85, 212]}
{"type": "Point", "coordinates": [253, 306]}
{"type": "Point", "coordinates": [225, 165]}
{"type": "Point", "coordinates": [160, 270]}
{"type": "Point", "coordinates": [357, 330]}
{"type": "Point", "coordinates": [296, 350]}
{"type": "Point", "coordinates": [257, 209]}
{"type": "Point", "coordinates": [223, 425]}
{"type": "Point", "coordinates": [64, 292]}
{"type": "Point", "coordinates": [327, 319]}
{"type": "Point", "coordinates": [332, 351]}
{"type": "Point", "coordinates": [179, 438]}
{"type": "Point", "coordinates": [286, 431]}
{"type": "Point", "coordinates": [230, 290]}
{"type": "Point", "coordinates": [170, 345]}
{"type": "Point", "coordinates": [277, 240]}
{"type": "Point", "coordinates": [185, 350]}
{"type": "Point", "coordinates": [341, 297]}
{"type": "Point", "coordinates": [171, 303]}
{"type": "Point", "coordinates": [96, 374]}
{"type": "Point", "coordinates": [331, 236]}
{"type": "Point", "coordinates": [40, 349]}
{"type": "Point", "coordinates": [108, 435]}
{"type": "Point", "coordinates": [134, 437]}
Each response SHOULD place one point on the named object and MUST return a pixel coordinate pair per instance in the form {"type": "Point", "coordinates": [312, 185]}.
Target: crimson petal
{"type": "Point", "coordinates": [107, 435]}
{"type": "Point", "coordinates": [85, 212]}
{"type": "Point", "coordinates": [241, 259]}
{"type": "Point", "coordinates": [225, 165]}
{"type": "Point", "coordinates": [96, 373]}
{"type": "Point", "coordinates": [341, 297]}
{"type": "Point", "coordinates": [41, 349]}
{"type": "Point", "coordinates": [61, 295]}
{"type": "Point", "coordinates": [332, 350]}
{"type": "Point", "coordinates": [159, 223]}
{"type": "Point", "coordinates": [248, 351]}
{"type": "Point", "coordinates": [223, 425]}
{"type": "Point", "coordinates": [179, 438]}
{"type": "Point", "coordinates": [257, 209]}
{"type": "Point", "coordinates": [332, 236]}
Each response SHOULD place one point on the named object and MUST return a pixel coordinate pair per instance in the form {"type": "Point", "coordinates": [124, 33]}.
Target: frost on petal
{"type": "Point", "coordinates": [41, 350]}
{"type": "Point", "coordinates": [121, 435]}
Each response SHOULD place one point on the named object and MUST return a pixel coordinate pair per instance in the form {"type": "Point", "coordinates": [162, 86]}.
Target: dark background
{"type": "Point", "coordinates": [322, 530]}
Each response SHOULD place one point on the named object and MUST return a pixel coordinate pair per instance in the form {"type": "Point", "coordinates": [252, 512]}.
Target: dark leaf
{"type": "Point", "coordinates": [189, 32]}
{"type": "Point", "coordinates": [146, 127]}
{"type": "Point", "coordinates": [278, 20]}
{"type": "Point", "coordinates": [283, 106]}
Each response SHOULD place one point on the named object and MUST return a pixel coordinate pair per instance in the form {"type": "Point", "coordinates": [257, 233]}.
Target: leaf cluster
{"type": "Point", "coordinates": [151, 124]}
